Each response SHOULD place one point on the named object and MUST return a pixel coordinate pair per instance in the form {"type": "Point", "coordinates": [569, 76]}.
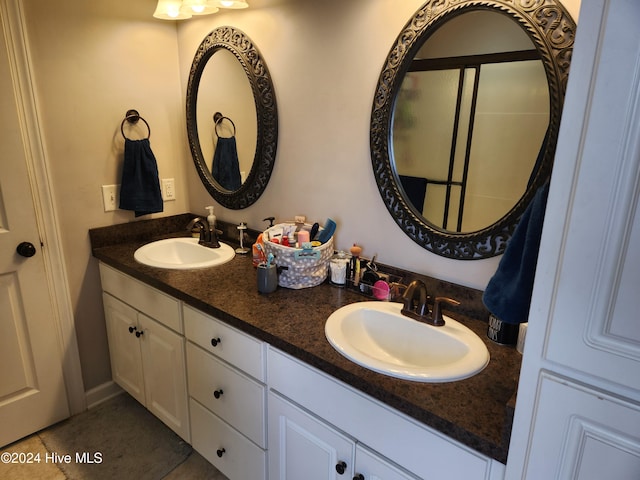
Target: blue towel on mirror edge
{"type": "Point", "coordinates": [508, 294]}
{"type": "Point", "coordinates": [140, 186]}
{"type": "Point", "coordinates": [226, 167]}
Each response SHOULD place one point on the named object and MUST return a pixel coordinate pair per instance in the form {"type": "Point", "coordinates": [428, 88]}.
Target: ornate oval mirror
{"type": "Point", "coordinates": [232, 119]}
{"type": "Point", "coordinates": [465, 119]}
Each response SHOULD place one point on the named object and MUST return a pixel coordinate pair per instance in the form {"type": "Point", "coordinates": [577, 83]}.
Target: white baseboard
{"type": "Point", "coordinates": [101, 393]}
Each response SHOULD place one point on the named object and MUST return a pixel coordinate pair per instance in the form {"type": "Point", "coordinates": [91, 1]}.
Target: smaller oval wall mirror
{"type": "Point", "coordinates": [465, 119]}
{"type": "Point", "coordinates": [232, 123]}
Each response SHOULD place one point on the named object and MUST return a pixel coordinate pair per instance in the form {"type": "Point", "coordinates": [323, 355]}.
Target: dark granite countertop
{"type": "Point", "coordinates": [477, 412]}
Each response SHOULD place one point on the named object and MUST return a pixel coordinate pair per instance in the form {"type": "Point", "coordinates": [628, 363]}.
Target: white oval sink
{"type": "Point", "coordinates": [182, 254]}
{"type": "Point", "coordinates": [377, 336]}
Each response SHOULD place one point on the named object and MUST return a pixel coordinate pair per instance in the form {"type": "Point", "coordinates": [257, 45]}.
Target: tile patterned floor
{"type": "Point", "coordinates": [195, 467]}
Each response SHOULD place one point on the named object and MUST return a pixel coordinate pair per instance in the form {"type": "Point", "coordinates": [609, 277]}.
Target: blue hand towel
{"type": "Point", "coordinates": [140, 186]}
{"type": "Point", "coordinates": [416, 189]}
{"type": "Point", "coordinates": [508, 294]}
{"type": "Point", "coordinates": [226, 168]}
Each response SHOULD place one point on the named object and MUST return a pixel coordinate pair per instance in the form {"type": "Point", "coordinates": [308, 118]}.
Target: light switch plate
{"type": "Point", "coordinates": [110, 195]}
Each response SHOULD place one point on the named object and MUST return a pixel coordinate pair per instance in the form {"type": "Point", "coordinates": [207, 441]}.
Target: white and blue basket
{"type": "Point", "coordinates": [304, 268]}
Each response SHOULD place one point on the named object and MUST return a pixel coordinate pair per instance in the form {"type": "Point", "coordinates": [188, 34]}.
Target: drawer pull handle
{"type": "Point", "coordinates": [215, 342]}
{"type": "Point", "coordinates": [139, 333]}
{"type": "Point", "coordinates": [218, 393]}
{"type": "Point", "coordinates": [358, 476]}
{"type": "Point", "coordinates": [220, 452]}
{"type": "Point", "coordinates": [132, 329]}
{"type": "Point", "coordinates": [341, 467]}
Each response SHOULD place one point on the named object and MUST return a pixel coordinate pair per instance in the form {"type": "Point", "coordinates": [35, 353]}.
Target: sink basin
{"type": "Point", "coordinates": [182, 254]}
{"type": "Point", "coordinates": [377, 336]}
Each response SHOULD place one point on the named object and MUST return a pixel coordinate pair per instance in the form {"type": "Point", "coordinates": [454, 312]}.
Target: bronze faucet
{"type": "Point", "coordinates": [208, 235]}
{"type": "Point", "coordinates": [419, 310]}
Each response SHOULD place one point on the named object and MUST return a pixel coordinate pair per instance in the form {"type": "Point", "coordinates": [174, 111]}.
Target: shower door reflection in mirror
{"type": "Point", "coordinates": [469, 122]}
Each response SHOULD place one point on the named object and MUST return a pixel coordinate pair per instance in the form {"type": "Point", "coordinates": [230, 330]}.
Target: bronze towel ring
{"type": "Point", "coordinates": [132, 116]}
{"type": "Point", "coordinates": [218, 118]}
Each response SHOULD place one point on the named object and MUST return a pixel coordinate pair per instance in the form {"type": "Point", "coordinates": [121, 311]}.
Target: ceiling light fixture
{"type": "Point", "coordinates": [230, 3]}
{"type": "Point", "coordinates": [171, 10]}
{"type": "Point", "coordinates": [199, 7]}
{"type": "Point", "coordinates": [183, 9]}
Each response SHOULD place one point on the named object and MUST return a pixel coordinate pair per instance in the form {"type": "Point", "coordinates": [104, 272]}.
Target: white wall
{"type": "Point", "coordinates": [325, 59]}
{"type": "Point", "coordinates": [92, 62]}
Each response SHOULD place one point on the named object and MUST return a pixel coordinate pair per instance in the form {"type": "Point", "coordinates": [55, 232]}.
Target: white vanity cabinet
{"type": "Point", "coordinates": [226, 374]}
{"type": "Point", "coordinates": [314, 424]}
{"type": "Point", "coordinates": [317, 420]}
{"type": "Point", "coordinates": [147, 357]}
{"type": "Point", "coordinates": [303, 446]}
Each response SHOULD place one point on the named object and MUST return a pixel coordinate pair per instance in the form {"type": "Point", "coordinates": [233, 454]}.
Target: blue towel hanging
{"type": "Point", "coordinates": [508, 294]}
{"type": "Point", "coordinates": [226, 167]}
{"type": "Point", "coordinates": [140, 185]}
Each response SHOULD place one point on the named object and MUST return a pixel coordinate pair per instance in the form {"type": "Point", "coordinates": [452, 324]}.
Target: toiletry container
{"type": "Point", "coordinates": [502, 332]}
{"type": "Point", "coordinates": [267, 278]}
{"type": "Point", "coordinates": [338, 268]}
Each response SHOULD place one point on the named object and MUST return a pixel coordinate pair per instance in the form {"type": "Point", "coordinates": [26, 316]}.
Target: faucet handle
{"type": "Point", "coordinates": [436, 313]}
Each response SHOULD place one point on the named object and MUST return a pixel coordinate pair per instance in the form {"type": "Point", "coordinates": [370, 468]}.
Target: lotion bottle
{"type": "Point", "coordinates": [211, 218]}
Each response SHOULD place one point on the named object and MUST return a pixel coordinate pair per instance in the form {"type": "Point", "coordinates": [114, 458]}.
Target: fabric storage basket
{"type": "Point", "coordinates": [304, 268]}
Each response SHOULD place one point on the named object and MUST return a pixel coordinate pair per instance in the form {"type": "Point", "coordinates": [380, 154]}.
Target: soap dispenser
{"type": "Point", "coordinates": [211, 218]}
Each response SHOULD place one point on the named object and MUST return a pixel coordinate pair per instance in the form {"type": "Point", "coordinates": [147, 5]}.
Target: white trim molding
{"type": "Point", "coordinates": [40, 179]}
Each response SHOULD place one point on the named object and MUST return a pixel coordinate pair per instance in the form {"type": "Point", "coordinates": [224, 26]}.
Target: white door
{"type": "Point", "coordinates": [578, 409]}
{"type": "Point", "coordinates": [124, 347]}
{"type": "Point", "coordinates": [32, 390]}
{"type": "Point", "coordinates": [164, 372]}
{"type": "Point", "coordinates": [301, 446]}
{"type": "Point", "coordinates": [370, 466]}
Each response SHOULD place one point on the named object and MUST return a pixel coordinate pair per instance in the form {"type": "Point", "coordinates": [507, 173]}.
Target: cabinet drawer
{"type": "Point", "coordinates": [143, 298]}
{"type": "Point", "coordinates": [231, 345]}
{"type": "Point", "coordinates": [234, 397]}
{"type": "Point", "coordinates": [241, 458]}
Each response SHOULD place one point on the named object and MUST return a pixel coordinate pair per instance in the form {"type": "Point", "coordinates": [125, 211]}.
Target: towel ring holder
{"type": "Point", "coordinates": [217, 120]}
{"type": "Point", "coordinates": [132, 116]}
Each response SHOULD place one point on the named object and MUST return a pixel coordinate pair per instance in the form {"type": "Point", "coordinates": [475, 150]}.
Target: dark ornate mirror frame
{"type": "Point", "coordinates": [552, 31]}
{"type": "Point", "coordinates": [241, 46]}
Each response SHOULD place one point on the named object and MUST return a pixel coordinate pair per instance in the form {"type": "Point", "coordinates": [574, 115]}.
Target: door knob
{"type": "Point", "coordinates": [26, 249]}
{"type": "Point", "coordinates": [341, 467]}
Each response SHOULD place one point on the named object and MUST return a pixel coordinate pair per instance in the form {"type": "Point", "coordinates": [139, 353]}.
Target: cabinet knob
{"type": "Point", "coordinates": [358, 476]}
{"type": "Point", "coordinates": [220, 452]}
{"type": "Point", "coordinates": [341, 467]}
{"type": "Point", "coordinates": [139, 333]}
{"type": "Point", "coordinates": [218, 393]}
{"type": "Point", "coordinates": [215, 342]}
{"type": "Point", "coordinates": [132, 329]}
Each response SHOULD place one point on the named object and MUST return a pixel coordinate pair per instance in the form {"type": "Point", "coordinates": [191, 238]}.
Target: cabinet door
{"type": "Point", "coordinates": [124, 348]}
{"type": "Point", "coordinates": [301, 446]}
{"type": "Point", "coordinates": [163, 360]}
{"type": "Point", "coordinates": [583, 434]}
{"type": "Point", "coordinates": [370, 466]}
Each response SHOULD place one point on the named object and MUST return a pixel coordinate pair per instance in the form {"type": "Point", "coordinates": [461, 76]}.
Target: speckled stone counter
{"type": "Point", "coordinates": [477, 412]}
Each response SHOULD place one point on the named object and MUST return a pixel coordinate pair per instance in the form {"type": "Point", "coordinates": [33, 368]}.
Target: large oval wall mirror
{"type": "Point", "coordinates": [465, 119]}
{"type": "Point", "coordinates": [232, 120]}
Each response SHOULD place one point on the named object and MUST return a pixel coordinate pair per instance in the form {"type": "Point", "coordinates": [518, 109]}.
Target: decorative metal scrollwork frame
{"type": "Point", "coordinates": [552, 31]}
{"type": "Point", "coordinates": [241, 46]}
